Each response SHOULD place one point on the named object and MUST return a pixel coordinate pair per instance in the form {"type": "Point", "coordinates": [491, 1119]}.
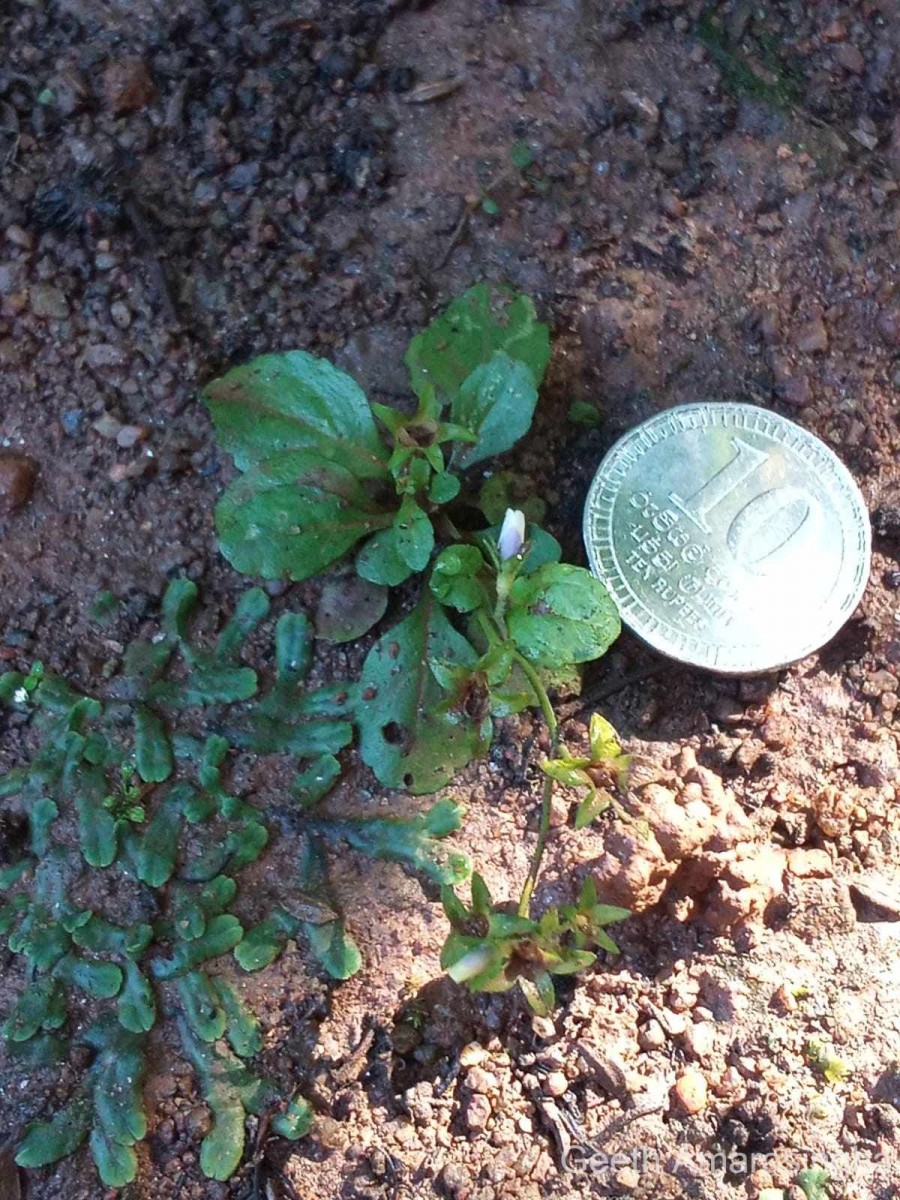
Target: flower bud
{"type": "Point", "coordinates": [512, 534]}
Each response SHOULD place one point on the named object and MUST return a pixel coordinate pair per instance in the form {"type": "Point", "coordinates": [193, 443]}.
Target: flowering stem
{"type": "Point", "coordinates": [547, 793]}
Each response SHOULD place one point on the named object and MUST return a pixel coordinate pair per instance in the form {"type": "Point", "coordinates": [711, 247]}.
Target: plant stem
{"type": "Point", "coordinates": [547, 793]}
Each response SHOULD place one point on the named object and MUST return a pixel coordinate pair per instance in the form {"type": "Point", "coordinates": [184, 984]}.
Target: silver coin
{"type": "Point", "coordinates": [729, 537]}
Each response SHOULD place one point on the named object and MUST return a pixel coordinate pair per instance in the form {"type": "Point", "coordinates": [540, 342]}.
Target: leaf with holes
{"type": "Point", "coordinates": [407, 736]}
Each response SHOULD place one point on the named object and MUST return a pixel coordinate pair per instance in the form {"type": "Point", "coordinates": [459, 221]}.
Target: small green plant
{"type": "Point", "coordinates": [127, 887]}
{"type": "Point", "coordinates": [825, 1060]}
{"type": "Point", "coordinates": [815, 1183]}
{"type": "Point", "coordinates": [498, 619]}
{"type": "Point", "coordinates": [493, 947]}
{"type": "Point", "coordinates": [125, 799]}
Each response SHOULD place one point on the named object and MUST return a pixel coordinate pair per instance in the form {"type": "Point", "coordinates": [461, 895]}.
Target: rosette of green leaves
{"type": "Point", "coordinates": [492, 948]}
{"type": "Point", "coordinates": [318, 478]}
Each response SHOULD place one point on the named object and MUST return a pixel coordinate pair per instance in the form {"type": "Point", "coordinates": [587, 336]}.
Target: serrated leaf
{"type": "Point", "coordinates": [496, 402]}
{"type": "Point", "coordinates": [295, 401]}
{"type": "Point", "coordinates": [561, 614]}
{"type": "Point", "coordinates": [293, 517]}
{"type": "Point", "coordinates": [99, 979]}
{"type": "Point", "coordinates": [116, 1164]}
{"type": "Point", "coordinates": [200, 1004]}
{"type": "Point", "coordinates": [136, 1003]}
{"type": "Point", "coordinates": [296, 1120]}
{"type": "Point", "coordinates": [252, 607]}
{"type": "Point", "coordinates": [46, 1142]}
{"type": "Point", "coordinates": [263, 943]}
{"type": "Point", "coordinates": [41, 1006]}
{"type": "Point", "coordinates": [407, 737]}
{"type": "Point", "coordinates": [348, 607]}
{"type": "Point", "coordinates": [243, 1030]}
{"type": "Point", "coordinates": [152, 751]}
{"type": "Point", "coordinates": [478, 323]}
{"type": "Point", "coordinates": [413, 841]}
{"type": "Point", "coordinates": [316, 781]}
{"type": "Point", "coordinates": [222, 934]}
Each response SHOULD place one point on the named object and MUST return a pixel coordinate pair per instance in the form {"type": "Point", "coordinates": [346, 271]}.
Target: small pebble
{"type": "Point", "coordinates": [127, 86]}
{"type": "Point", "coordinates": [478, 1112]}
{"type": "Point", "coordinates": [18, 473]}
{"type": "Point", "coordinates": [812, 338]}
{"type": "Point", "coordinates": [72, 421]}
{"type": "Point", "coordinates": [121, 314]}
{"type": "Point", "coordinates": [556, 1084]}
{"type": "Point", "coordinates": [130, 435]}
{"type": "Point", "coordinates": [691, 1091]}
{"type": "Point", "coordinates": [19, 237]}
{"type": "Point", "coordinates": [48, 302]}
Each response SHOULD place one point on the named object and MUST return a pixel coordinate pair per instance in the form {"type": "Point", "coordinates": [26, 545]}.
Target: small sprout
{"type": "Point", "coordinates": [582, 413]}
{"type": "Point", "coordinates": [521, 155]}
{"type": "Point", "coordinates": [814, 1182]}
{"type": "Point", "coordinates": [823, 1058]}
{"type": "Point", "coordinates": [490, 206]}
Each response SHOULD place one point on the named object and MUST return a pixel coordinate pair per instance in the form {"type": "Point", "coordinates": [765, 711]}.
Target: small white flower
{"type": "Point", "coordinates": [512, 534]}
{"type": "Point", "coordinates": [20, 695]}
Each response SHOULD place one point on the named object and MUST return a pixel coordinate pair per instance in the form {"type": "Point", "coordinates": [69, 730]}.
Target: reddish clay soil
{"type": "Point", "coordinates": [713, 213]}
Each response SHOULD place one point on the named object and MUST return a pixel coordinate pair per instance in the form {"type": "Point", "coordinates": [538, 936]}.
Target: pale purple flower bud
{"type": "Point", "coordinates": [512, 534]}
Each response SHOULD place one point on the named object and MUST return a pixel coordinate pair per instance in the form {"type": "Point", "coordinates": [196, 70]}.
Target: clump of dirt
{"type": "Point", "coordinates": [712, 211]}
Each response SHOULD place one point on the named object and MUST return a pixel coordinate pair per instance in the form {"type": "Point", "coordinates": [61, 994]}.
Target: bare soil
{"type": "Point", "coordinates": [713, 212]}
